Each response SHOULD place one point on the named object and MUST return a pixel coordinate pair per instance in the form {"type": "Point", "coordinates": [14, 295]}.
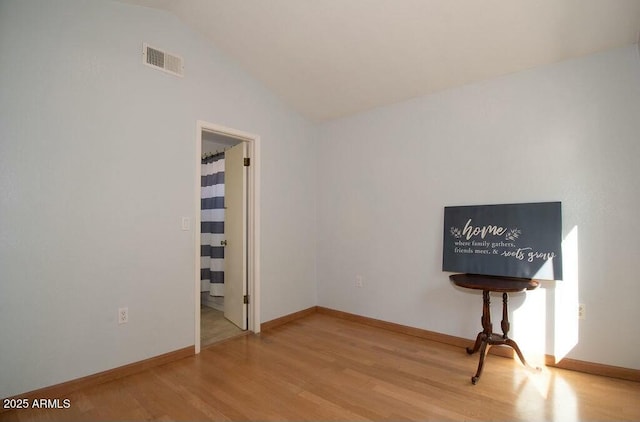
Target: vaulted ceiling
{"type": "Point", "coordinates": [332, 58]}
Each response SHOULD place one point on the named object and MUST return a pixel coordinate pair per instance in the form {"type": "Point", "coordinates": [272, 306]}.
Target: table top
{"type": "Point", "coordinates": [493, 283]}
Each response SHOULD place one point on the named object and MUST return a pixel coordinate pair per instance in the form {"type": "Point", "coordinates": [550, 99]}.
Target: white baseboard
{"type": "Point", "coordinates": [214, 302]}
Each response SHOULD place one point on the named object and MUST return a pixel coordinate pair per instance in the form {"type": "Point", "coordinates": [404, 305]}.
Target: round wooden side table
{"type": "Point", "coordinates": [487, 338]}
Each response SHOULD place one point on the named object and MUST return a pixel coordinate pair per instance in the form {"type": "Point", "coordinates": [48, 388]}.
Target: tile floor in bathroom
{"type": "Point", "coordinates": [214, 327]}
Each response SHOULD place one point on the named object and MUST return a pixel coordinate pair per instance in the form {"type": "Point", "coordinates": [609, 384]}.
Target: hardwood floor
{"type": "Point", "coordinates": [325, 368]}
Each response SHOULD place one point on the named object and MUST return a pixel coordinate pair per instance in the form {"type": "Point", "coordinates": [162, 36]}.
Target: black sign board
{"type": "Point", "coordinates": [512, 240]}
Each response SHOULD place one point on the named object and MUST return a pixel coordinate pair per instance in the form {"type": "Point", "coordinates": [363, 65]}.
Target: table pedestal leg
{"type": "Point", "coordinates": [487, 327]}
{"type": "Point", "coordinates": [505, 329]}
{"type": "Point", "coordinates": [486, 338]}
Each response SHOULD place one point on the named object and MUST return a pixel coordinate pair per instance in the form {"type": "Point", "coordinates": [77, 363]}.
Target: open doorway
{"type": "Point", "coordinates": [227, 284]}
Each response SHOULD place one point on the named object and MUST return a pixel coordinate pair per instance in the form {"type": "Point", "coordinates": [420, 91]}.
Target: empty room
{"type": "Point", "coordinates": [319, 210]}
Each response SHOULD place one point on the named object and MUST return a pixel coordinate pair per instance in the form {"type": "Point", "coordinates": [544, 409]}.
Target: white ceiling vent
{"type": "Point", "coordinates": [162, 60]}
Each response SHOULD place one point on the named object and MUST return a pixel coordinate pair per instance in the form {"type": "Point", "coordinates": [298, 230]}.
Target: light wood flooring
{"type": "Point", "coordinates": [214, 327]}
{"type": "Point", "coordinates": [324, 368]}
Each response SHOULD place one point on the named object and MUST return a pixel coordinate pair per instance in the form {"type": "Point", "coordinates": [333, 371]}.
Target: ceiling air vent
{"type": "Point", "coordinates": [162, 60]}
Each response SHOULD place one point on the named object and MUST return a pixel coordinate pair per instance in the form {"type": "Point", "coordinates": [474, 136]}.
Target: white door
{"type": "Point", "coordinates": [235, 227]}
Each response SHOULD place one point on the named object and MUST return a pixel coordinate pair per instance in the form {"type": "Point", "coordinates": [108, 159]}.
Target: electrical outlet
{"type": "Point", "coordinates": [123, 315]}
{"type": "Point", "coordinates": [582, 311]}
{"type": "Point", "coordinates": [359, 282]}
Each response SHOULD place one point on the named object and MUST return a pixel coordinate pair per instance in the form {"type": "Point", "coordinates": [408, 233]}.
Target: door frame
{"type": "Point", "coordinates": [253, 222]}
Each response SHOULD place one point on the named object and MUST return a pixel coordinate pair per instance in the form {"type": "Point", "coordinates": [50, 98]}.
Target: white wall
{"type": "Point", "coordinates": [565, 132]}
{"type": "Point", "coordinates": [97, 162]}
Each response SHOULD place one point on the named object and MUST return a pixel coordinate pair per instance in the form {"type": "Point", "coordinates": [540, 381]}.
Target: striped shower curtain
{"type": "Point", "coordinates": [212, 225]}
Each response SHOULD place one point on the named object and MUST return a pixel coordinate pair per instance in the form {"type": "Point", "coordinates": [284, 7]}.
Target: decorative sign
{"type": "Point", "coordinates": [512, 240]}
